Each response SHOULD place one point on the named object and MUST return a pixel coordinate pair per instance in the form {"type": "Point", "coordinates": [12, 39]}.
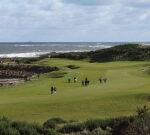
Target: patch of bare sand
{"type": "Point", "coordinates": [144, 45]}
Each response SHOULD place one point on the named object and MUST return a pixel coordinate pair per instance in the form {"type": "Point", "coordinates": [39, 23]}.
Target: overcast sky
{"type": "Point", "coordinates": [75, 20]}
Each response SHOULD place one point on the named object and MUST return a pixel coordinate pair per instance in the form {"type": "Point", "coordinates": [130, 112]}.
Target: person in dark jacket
{"type": "Point", "coordinates": [100, 79]}
{"type": "Point", "coordinates": [105, 80]}
{"type": "Point", "coordinates": [82, 83]}
{"type": "Point", "coordinates": [69, 79]}
{"type": "Point", "coordinates": [52, 90]}
{"type": "Point", "coordinates": [55, 90]}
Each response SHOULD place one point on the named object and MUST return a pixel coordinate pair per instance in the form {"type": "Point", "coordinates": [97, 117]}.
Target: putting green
{"type": "Point", "coordinates": [128, 86]}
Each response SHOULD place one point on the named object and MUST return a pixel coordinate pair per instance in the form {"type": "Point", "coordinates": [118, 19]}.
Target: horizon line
{"type": "Point", "coordinates": [75, 42]}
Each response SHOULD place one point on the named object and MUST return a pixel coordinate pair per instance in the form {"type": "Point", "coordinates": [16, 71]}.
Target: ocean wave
{"type": "Point", "coordinates": [100, 46]}
{"type": "Point", "coordinates": [39, 52]}
{"type": "Point", "coordinates": [98, 43]}
{"type": "Point", "coordinates": [35, 54]}
{"type": "Point", "coordinates": [38, 45]}
{"type": "Point", "coordinates": [72, 51]}
{"type": "Point", "coordinates": [17, 45]}
{"type": "Point", "coordinates": [41, 45]}
{"type": "Point", "coordinates": [23, 55]}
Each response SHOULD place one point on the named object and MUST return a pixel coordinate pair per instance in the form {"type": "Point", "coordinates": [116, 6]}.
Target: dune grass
{"type": "Point", "coordinates": [128, 86]}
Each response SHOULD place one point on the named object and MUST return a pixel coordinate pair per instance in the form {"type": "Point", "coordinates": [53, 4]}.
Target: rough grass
{"type": "Point", "coordinates": [128, 86]}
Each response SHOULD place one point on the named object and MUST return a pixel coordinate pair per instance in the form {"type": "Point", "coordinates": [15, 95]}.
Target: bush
{"type": "Point", "coordinates": [136, 125]}
{"type": "Point", "coordinates": [29, 68]}
{"type": "Point", "coordinates": [24, 128]}
{"type": "Point", "coordinates": [71, 55]}
{"type": "Point", "coordinates": [28, 60]}
{"type": "Point", "coordinates": [31, 60]}
{"type": "Point", "coordinates": [73, 121]}
{"type": "Point", "coordinates": [118, 125]}
{"type": "Point", "coordinates": [71, 128]}
{"type": "Point", "coordinates": [94, 123]}
{"type": "Point", "coordinates": [131, 52]}
{"type": "Point", "coordinates": [38, 128]}
{"type": "Point", "coordinates": [141, 125]}
{"type": "Point", "coordinates": [58, 120]}
{"type": "Point", "coordinates": [99, 131]}
{"type": "Point", "coordinates": [8, 131]}
{"type": "Point", "coordinates": [8, 127]}
{"type": "Point", "coordinates": [50, 124]}
{"type": "Point", "coordinates": [50, 132]}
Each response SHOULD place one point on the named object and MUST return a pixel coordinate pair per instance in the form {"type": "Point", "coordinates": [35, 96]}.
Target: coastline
{"type": "Point", "coordinates": [30, 50]}
{"type": "Point", "coordinates": [36, 54]}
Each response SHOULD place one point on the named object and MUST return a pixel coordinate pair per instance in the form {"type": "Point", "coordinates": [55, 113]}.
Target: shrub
{"type": "Point", "coordinates": [28, 60]}
{"type": "Point", "coordinates": [141, 125]}
{"type": "Point", "coordinates": [73, 121]}
{"type": "Point", "coordinates": [8, 131]}
{"type": "Point", "coordinates": [38, 128]}
{"type": "Point", "coordinates": [94, 123]}
{"type": "Point", "coordinates": [29, 68]}
{"type": "Point", "coordinates": [118, 125]}
{"type": "Point", "coordinates": [50, 132]}
{"type": "Point", "coordinates": [131, 52]}
{"type": "Point", "coordinates": [99, 131]}
{"type": "Point", "coordinates": [71, 128]}
{"type": "Point", "coordinates": [58, 120]}
{"type": "Point", "coordinates": [24, 128]}
{"type": "Point", "coordinates": [50, 124]}
{"type": "Point", "coordinates": [8, 127]}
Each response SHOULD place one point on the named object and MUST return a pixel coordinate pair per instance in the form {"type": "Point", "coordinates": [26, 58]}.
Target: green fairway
{"type": "Point", "coordinates": [128, 86]}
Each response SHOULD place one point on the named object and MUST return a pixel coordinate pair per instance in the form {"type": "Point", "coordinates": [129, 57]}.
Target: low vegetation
{"type": "Point", "coordinates": [135, 125]}
{"type": "Point", "coordinates": [31, 60]}
{"type": "Point", "coordinates": [127, 52]}
{"type": "Point", "coordinates": [23, 71]}
{"type": "Point", "coordinates": [28, 68]}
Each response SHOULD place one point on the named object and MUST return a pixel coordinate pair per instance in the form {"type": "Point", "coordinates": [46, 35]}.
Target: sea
{"type": "Point", "coordinates": [36, 49]}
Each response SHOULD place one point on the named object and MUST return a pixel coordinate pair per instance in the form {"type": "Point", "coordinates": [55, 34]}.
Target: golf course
{"type": "Point", "coordinates": [127, 87]}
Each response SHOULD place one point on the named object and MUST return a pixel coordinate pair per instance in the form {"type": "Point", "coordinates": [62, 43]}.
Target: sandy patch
{"type": "Point", "coordinates": [144, 45]}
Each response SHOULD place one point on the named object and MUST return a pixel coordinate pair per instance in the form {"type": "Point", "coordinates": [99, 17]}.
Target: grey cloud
{"type": "Point", "coordinates": [59, 20]}
{"type": "Point", "coordinates": [137, 3]}
{"type": "Point", "coordinates": [88, 2]}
